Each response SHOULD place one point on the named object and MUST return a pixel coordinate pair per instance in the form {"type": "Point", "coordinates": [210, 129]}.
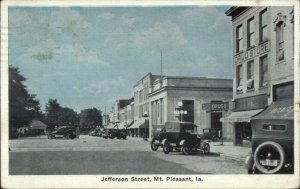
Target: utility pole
{"type": "Point", "coordinates": [161, 67]}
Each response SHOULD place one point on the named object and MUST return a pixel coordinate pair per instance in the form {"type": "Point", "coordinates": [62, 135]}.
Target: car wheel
{"type": "Point", "coordinates": [154, 147]}
{"type": "Point", "coordinates": [166, 148]}
{"type": "Point", "coordinates": [186, 149]}
{"type": "Point", "coordinates": [124, 137]}
{"type": "Point", "coordinates": [269, 157]}
{"type": "Point", "coordinates": [216, 139]}
{"type": "Point", "coordinates": [67, 136]}
{"type": "Point", "coordinates": [206, 148]}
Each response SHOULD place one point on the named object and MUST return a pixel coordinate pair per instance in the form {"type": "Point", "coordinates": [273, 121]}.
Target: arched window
{"type": "Point", "coordinates": [279, 29]}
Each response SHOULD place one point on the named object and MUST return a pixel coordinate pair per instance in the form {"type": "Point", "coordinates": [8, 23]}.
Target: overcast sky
{"type": "Point", "coordinates": [90, 57]}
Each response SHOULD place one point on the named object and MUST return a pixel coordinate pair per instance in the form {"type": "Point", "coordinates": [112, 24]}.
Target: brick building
{"type": "Point", "coordinates": [263, 63]}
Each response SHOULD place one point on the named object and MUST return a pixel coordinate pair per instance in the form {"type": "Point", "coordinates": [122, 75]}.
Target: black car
{"type": "Point", "coordinates": [158, 137]}
{"type": "Point", "coordinates": [213, 134]}
{"type": "Point", "coordinates": [181, 136]}
{"type": "Point", "coordinates": [68, 132]}
{"type": "Point", "coordinates": [115, 133]}
{"type": "Point", "coordinates": [272, 140]}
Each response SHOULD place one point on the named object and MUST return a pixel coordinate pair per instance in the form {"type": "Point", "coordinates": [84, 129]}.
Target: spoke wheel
{"type": "Point", "coordinates": [154, 147]}
{"type": "Point", "coordinates": [186, 149]}
{"type": "Point", "coordinates": [166, 148]}
{"type": "Point", "coordinates": [206, 148]}
{"type": "Point", "coordinates": [269, 157]}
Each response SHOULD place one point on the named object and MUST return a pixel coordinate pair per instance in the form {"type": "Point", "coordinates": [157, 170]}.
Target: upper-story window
{"type": "Point", "coordinates": [239, 38]}
{"type": "Point", "coordinates": [279, 29]}
{"type": "Point", "coordinates": [264, 71]}
{"type": "Point", "coordinates": [250, 32]}
{"type": "Point", "coordinates": [263, 25]}
{"type": "Point", "coordinates": [239, 78]}
{"type": "Point", "coordinates": [250, 75]}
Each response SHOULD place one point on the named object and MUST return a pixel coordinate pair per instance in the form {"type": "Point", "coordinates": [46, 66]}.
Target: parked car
{"type": "Point", "coordinates": [158, 137]}
{"type": "Point", "coordinates": [68, 132]}
{"type": "Point", "coordinates": [29, 133]}
{"type": "Point", "coordinates": [272, 142]}
{"type": "Point", "coordinates": [94, 132]}
{"type": "Point", "coordinates": [181, 136]}
{"type": "Point", "coordinates": [115, 133]}
{"type": "Point", "coordinates": [211, 134]}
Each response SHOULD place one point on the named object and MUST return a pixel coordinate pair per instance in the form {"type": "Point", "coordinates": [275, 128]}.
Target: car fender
{"type": "Point", "coordinates": [182, 142]}
{"type": "Point", "coordinates": [163, 141]}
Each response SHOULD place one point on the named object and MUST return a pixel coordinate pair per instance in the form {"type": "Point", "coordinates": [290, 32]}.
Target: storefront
{"type": "Point", "coordinates": [243, 111]}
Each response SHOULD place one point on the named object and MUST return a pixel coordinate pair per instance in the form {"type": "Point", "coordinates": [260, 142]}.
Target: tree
{"type": "Point", "coordinates": [60, 116]}
{"type": "Point", "coordinates": [90, 117]}
{"type": "Point", "coordinates": [23, 107]}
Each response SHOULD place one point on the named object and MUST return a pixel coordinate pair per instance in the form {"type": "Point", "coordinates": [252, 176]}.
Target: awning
{"type": "Point", "coordinates": [121, 125]}
{"type": "Point", "coordinates": [243, 116]}
{"type": "Point", "coordinates": [281, 109]}
{"type": "Point", "coordinates": [137, 124]}
{"type": "Point", "coordinates": [110, 126]}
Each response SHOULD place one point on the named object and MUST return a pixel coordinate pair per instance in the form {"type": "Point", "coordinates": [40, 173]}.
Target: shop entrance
{"type": "Point", "coordinates": [243, 131]}
{"type": "Point", "coordinates": [215, 120]}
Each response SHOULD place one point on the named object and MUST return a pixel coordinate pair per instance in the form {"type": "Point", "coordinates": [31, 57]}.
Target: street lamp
{"type": "Point", "coordinates": [145, 115]}
{"type": "Point", "coordinates": [179, 112]}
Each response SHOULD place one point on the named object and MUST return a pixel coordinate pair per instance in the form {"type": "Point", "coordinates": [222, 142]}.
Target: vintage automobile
{"type": "Point", "coordinates": [94, 132]}
{"type": "Point", "coordinates": [158, 137]}
{"type": "Point", "coordinates": [181, 136]}
{"type": "Point", "coordinates": [272, 140]}
{"type": "Point", "coordinates": [115, 133]}
{"type": "Point", "coordinates": [68, 132]}
{"type": "Point", "coordinates": [211, 134]}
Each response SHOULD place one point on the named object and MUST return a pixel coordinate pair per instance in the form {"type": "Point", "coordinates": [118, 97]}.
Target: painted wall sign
{"type": "Point", "coordinates": [251, 53]}
{"type": "Point", "coordinates": [216, 106]}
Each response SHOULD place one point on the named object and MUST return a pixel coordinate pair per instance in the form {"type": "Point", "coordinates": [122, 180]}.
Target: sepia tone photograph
{"type": "Point", "coordinates": [153, 94]}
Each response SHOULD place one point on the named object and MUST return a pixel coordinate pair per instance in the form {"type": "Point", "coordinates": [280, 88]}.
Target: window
{"type": "Point", "coordinates": [250, 75]}
{"type": "Point", "coordinates": [250, 33]}
{"type": "Point", "coordinates": [239, 38]}
{"type": "Point", "coordinates": [267, 127]}
{"type": "Point", "coordinates": [279, 41]}
{"type": "Point", "coordinates": [264, 71]}
{"type": "Point", "coordinates": [239, 78]}
{"type": "Point", "coordinates": [263, 26]}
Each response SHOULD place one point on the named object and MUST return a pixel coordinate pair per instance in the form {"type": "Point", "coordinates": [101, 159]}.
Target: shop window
{"type": "Point", "coordinates": [283, 91]}
{"type": "Point", "coordinates": [239, 78]}
{"type": "Point", "coordinates": [250, 75]}
{"type": "Point", "coordinates": [264, 71]}
{"type": "Point", "coordinates": [239, 38]}
{"type": "Point", "coordinates": [250, 32]}
{"type": "Point", "coordinates": [263, 25]}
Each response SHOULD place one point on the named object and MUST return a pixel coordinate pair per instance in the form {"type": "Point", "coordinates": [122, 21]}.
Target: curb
{"type": "Point", "coordinates": [232, 157]}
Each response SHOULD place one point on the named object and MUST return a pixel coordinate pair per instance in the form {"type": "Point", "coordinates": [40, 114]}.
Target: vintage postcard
{"type": "Point", "coordinates": [150, 94]}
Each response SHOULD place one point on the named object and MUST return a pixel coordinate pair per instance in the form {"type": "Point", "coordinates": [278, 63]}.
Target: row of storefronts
{"type": "Point", "coordinates": [262, 84]}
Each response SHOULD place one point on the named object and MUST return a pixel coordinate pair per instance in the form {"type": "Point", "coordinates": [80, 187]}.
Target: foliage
{"type": "Point", "coordinates": [23, 107]}
{"type": "Point", "coordinates": [90, 117]}
{"type": "Point", "coordinates": [59, 116]}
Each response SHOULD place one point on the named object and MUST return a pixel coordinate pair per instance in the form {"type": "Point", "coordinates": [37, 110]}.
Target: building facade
{"type": "Point", "coordinates": [194, 96]}
{"type": "Point", "coordinates": [263, 63]}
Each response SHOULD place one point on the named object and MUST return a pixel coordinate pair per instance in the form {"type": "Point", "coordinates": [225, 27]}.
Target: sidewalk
{"type": "Point", "coordinates": [229, 151]}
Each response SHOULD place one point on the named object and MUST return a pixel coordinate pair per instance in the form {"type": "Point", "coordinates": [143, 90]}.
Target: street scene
{"type": "Point", "coordinates": [201, 90]}
{"type": "Point", "coordinates": [95, 155]}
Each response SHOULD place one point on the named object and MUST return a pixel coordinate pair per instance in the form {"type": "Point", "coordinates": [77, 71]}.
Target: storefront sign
{"type": "Point", "coordinates": [251, 53]}
{"type": "Point", "coordinates": [251, 103]}
{"type": "Point", "coordinates": [216, 106]}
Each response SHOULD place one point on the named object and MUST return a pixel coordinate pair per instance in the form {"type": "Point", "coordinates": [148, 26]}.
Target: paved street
{"type": "Point", "coordinates": [95, 155]}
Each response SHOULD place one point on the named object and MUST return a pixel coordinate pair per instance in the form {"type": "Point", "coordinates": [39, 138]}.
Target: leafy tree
{"type": "Point", "coordinates": [60, 116]}
{"type": "Point", "coordinates": [23, 107]}
{"type": "Point", "coordinates": [90, 117]}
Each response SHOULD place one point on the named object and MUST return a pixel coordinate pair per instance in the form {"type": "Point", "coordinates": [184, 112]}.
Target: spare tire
{"type": "Point", "coordinates": [269, 153]}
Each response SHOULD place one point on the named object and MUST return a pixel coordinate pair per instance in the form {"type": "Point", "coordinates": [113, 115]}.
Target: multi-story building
{"type": "Point", "coordinates": [119, 114]}
{"type": "Point", "coordinates": [141, 105]}
{"type": "Point", "coordinates": [200, 100]}
{"type": "Point", "coordinates": [263, 63]}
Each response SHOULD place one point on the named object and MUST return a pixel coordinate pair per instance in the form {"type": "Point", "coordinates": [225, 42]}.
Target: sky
{"type": "Point", "coordinates": [89, 57]}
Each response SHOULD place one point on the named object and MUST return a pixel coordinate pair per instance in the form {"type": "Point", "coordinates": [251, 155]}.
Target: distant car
{"type": "Point", "coordinates": [211, 134]}
{"type": "Point", "coordinates": [68, 132]}
{"type": "Point", "coordinates": [115, 133]}
{"type": "Point", "coordinates": [181, 136]}
{"type": "Point", "coordinates": [94, 132]}
{"type": "Point", "coordinates": [29, 133]}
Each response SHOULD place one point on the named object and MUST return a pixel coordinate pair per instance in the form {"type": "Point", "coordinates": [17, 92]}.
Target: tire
{"type": "Point", "coordinates": [216, 139]}
{"type": "Point", "coordinates": [186, 149]}
{"type": "Point", "coordinates": [166, 148]}
{"type": "Point", "coordinates": [154, 147]}
{"type": "Point", "coordinates": [124, 137]}
{"type": "Point", "coordinates": [67, 136]}
{"type": "Point", "coordinates": [268, 150]}
{"type": "Point", "coordinates": [206, 148]}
